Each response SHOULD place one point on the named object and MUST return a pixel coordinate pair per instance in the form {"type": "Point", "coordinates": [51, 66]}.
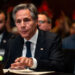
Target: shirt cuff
{"type": "Point", "coordinates": [34, 66]}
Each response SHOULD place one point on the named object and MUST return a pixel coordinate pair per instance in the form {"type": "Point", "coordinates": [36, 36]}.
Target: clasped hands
{"type": "Point", "coordinates": [22, 63]}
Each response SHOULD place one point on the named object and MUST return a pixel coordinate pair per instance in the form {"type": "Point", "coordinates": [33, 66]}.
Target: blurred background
{"type": "Point", "coordinates": [68, 6]}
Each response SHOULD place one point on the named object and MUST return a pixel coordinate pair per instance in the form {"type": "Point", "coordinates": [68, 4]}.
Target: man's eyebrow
{"type": "Point", "coordinates": [26, 19]}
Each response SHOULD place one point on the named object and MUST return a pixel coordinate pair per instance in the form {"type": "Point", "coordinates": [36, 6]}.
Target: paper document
{"type": "Point", "coordinates": [26, 71]}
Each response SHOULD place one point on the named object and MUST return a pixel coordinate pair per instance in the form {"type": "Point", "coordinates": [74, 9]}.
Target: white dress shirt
{"type": "Point", "coordinates": [33, 41]}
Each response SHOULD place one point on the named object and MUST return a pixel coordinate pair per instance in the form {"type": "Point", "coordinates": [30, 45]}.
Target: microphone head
{"type": "Point", "coordinates": [1, 58]}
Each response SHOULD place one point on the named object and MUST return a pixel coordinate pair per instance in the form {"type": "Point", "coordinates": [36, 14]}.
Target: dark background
{"type": "Point", "coordinates": [55, 5]}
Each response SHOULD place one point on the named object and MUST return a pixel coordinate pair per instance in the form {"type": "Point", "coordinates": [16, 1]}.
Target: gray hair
{"type": "Point", "coordinates": [31, 8]}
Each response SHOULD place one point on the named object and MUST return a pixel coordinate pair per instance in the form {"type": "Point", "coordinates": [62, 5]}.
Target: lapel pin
{"type": "Point", "coordinates": [4, 41]}
{"type": "Point", "coordinates": [41, 49]}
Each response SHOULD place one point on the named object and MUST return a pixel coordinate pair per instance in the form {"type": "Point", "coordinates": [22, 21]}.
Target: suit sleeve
{"type": "Point", "coordinates": [55, 60]}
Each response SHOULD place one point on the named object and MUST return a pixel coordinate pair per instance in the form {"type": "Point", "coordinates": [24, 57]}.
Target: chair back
{"type": "Point", "coordinates": [69, 60]}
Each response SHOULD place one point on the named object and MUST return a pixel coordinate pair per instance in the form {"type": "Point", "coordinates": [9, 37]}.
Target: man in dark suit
{"type": "Point", "coordinates": [33, 48]}
{"type": "Point", "coordinates": [4, 34]}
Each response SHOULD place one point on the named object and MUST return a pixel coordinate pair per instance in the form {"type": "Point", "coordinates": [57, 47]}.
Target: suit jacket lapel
{"type": "Point", "coordinates": [43, 44]}
{"type": "Point", "coordinates": [19, 46]}
{"type": "Point", "coordinates": [39, 44]}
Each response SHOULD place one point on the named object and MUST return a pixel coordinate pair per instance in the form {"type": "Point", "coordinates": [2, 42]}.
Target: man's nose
{"type": "Point", "coordinates": [22, 23]}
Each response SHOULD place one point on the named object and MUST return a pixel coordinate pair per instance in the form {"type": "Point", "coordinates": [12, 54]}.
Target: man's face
{"type": "Point", "coordinates": [25, 24]}
{"type": "Point", "coordinates": [2, 22]}
{"type": "Point", "coordinates": [43, 23]}
{"type": "Point", "coordinates": [72, 30]}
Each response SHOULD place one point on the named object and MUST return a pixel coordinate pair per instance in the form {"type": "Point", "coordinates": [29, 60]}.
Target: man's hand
{"type": "Point", "coordinates": [22, 62]}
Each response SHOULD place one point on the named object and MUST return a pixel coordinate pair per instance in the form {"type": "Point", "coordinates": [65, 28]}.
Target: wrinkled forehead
{"type": "Point", "coordinates": [23, 15]}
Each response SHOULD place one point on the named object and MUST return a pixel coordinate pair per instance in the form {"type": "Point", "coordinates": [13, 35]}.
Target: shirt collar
{"type": "Point", "coordinates": [34, 38]}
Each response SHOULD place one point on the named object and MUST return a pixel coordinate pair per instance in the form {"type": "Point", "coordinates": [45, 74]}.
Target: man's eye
{"type": "Point", "coordinates": [26, 19]}
{"type": "Point", "coordinates": [41, 22]}
{"type": "Point", "coordinates": [18, 21]}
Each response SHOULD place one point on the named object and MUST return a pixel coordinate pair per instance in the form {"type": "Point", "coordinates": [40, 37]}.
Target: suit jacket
{"type": "Point", "coordinates": [69, 42]}
{"type": "Point", "coordinates": [48, 51]}
{"type": "Point", "coordinates": [5, 38]}
{"type": "Point", "coordinates": [4, 42]}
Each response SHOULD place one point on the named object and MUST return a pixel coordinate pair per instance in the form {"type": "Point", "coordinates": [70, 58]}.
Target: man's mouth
{"type": "Point", "coordinates": [24, 31]}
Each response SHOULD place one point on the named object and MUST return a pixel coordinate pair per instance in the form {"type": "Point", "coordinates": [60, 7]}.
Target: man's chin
{"type": "Point", "coordinates": [25, 36]}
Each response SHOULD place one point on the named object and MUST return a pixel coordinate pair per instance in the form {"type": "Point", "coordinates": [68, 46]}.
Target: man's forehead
{"type": "Point", "coordinates": [41, 16]}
